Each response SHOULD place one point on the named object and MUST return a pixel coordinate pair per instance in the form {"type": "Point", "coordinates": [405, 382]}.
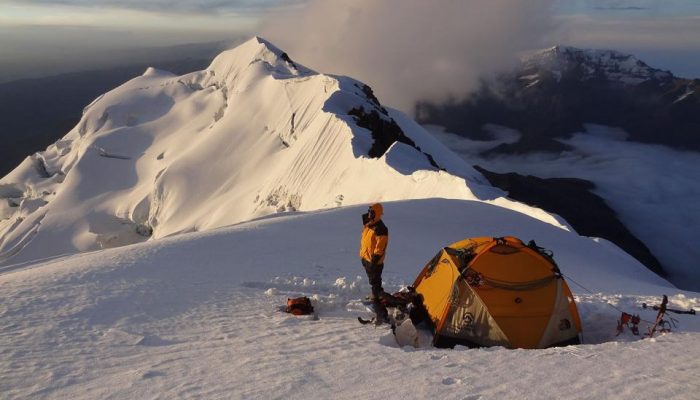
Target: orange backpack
{"type": "Point", "coordinates": [300, 306]}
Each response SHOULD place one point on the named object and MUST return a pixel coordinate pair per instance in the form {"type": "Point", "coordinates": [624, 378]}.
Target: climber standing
{"type": "Point", "coordinates": [375, 238]}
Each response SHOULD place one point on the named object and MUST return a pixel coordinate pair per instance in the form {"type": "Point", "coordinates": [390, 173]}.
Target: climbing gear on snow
{"type": "Point", "coordinates": [661, 324]}
{"type": "Point", "coordinates": [299, 306]}
{"type": "Point", "coordinates": [625, 320]}
{"type": "Point", "coordinates": [673, 310]}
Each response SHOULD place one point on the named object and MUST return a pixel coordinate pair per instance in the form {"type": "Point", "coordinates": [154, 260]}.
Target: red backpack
{"type": "Point", "coordinates": [300, 306]}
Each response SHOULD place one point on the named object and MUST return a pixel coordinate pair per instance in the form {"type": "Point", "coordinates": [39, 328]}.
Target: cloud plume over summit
{"type": "Point", "coordinates": [411, 49]}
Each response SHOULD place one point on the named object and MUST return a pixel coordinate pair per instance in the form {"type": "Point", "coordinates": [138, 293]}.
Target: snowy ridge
{"type": "Point", "coordinates": [197, 316]}
{"type": "Point", "coordinates": [608, 64]}
{"type": "Point", "coordinates": [253, 134]}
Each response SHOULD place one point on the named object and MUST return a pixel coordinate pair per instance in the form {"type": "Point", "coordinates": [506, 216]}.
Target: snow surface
{"type": "Point", "coordinates": [652, 188]}
{"type": "Point", "coordinates": [174, 295]}
{"type": "Point", "coordinates": [197, 316]}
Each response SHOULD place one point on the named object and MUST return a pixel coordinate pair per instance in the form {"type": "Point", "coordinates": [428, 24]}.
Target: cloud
{"type": "Point", "coordinates": [411, 49]}
{"type": "Point", "coordinates": [613, 5]}
{"type": "Point", "coordinates": [652, 188]}
{"type": "Point", "coordinates": [621, 8]}
{"type": "Point", "coordinates": [669, 33]}
{"type": "Point", "coordinates": [633, 7]}
{"type": "Point", "coordinates": [173, 6]}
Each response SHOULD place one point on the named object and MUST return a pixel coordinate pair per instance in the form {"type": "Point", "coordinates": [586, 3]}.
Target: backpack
{"type": "Point", "coordinates": [299, 306]}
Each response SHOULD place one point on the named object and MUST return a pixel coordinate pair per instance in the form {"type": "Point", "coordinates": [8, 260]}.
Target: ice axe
{"type": "Point", "coordinates": [666, 309]}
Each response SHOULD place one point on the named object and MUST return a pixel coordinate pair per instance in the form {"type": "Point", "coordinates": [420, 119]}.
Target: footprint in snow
{"type": "Point", "coordinates": [152, 374]}
{"type": "Point", "coordinates": [451, 381]}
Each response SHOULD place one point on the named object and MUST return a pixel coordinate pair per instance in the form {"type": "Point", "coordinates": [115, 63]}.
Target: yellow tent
{"type": "Point", "coordinates": [497, 292]}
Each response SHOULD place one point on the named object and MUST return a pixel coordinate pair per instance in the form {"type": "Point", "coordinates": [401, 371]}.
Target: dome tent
{"type": "Point", "coordinates": [497, 292]}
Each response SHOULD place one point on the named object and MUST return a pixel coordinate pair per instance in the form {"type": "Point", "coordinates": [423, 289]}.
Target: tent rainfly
{"type": "Point", "coordinates": [497, 292]}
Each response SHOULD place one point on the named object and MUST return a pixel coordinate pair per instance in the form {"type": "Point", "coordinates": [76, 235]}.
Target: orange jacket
{"type": "Point", "coordinates": [375, 237]}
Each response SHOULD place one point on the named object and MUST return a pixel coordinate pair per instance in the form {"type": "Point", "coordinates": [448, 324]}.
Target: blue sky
{"type": "Point", "coordinates": [666, 33]}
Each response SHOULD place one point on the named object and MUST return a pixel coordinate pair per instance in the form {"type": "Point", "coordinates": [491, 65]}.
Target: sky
{"type": "Point", "coordinates": [663, 33]}
{"type": "Point", "coordinates": [45, 37]}
{"type": "Point", "coordinates": [409, 50]}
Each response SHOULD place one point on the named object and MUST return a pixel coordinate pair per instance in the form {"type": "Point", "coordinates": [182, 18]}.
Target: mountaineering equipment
{"type": "Point", "coordinates": [374, 321]}
{"type": "Point", "coordinates": [488, 291]}
{"type": "Point", "coordinates": [401, 313]}
{"type": "Point", "coordinates": [625, 320]}
{"type": "Point", "coordinates": [660, 323]}
{"type": "Point", "coordinates": [400, 305]}
{"type": "Point", "coordinates": [673, 310]}
{"type": "Point", "coordinates": [299, 306]}
{"type": "Point", "coordinates": [666, 325]}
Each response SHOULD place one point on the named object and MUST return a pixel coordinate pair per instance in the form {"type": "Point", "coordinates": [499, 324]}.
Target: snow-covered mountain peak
{"type": "Point", "coordinates": [588, 64]}
{"type": "Point", "coordinates": [252, 135]}
{"type": "Point", "coordinates": [259, 55]}
{"type": "Point", "coordinates": [153, 72]}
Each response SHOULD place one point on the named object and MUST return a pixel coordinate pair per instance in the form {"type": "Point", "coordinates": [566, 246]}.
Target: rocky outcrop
{"type": "Point", "coordinates": [385, 131]}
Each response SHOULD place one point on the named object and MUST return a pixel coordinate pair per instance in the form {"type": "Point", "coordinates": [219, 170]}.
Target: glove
{"type": "Point", "coordinates": [375, 259]}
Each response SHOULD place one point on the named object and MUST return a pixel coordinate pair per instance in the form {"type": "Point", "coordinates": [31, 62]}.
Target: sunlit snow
{"type": "Point", "coordinates": [147, 254]}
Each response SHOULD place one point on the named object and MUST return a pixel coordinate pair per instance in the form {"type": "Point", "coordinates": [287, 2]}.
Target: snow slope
{"type": "Point", "coordinates": [196, 316]}
{"type": "Point", "coordinates": [194, 312]}
{"type": "Point", "coordinates": [253, 134]}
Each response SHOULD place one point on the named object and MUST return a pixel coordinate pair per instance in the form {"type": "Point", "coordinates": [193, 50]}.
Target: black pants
{"type": "Point", "coordinates": [374, 274]}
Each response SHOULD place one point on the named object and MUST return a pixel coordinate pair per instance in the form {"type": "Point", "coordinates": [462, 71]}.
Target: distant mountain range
{"type": "Point", "coordinates": [553, 92]}
{"type": "Point", "coordinates": [561, 91]}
